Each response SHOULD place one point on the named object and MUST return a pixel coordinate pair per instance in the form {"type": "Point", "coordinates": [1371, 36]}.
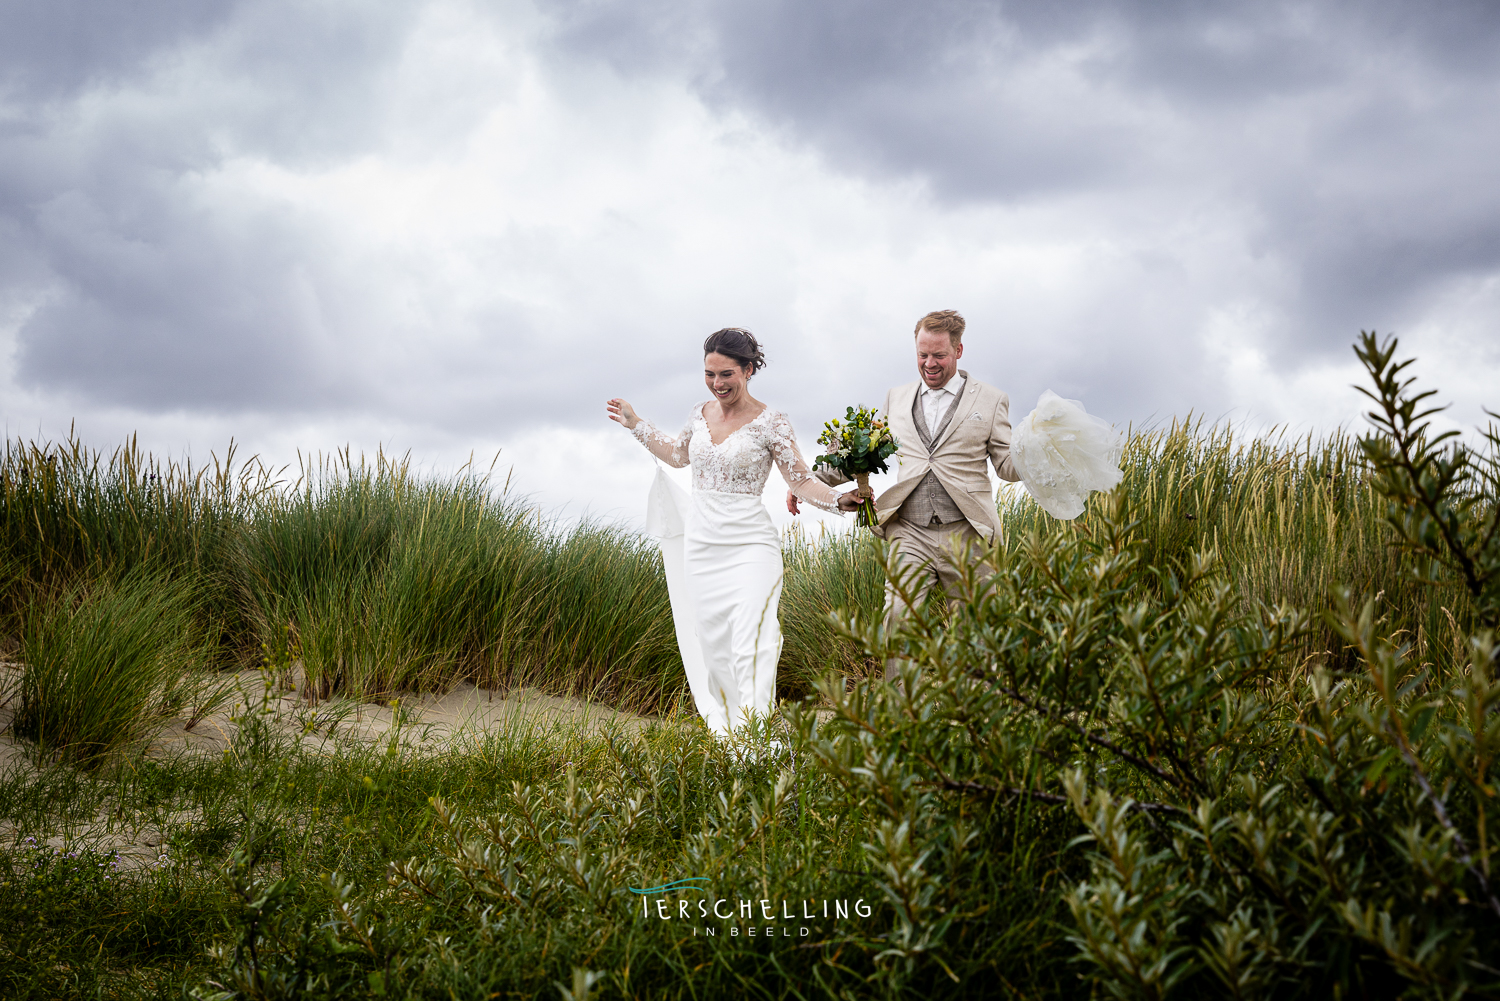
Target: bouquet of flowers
{"type": "Point", "coordinates": [857, 447]}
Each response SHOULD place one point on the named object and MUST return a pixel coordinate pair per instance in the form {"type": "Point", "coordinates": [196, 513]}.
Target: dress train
{"type": "Point", "coordinates": [723, 565]}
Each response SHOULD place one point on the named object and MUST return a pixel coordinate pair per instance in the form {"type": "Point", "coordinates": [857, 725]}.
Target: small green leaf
{"type": "Point", "coordinates": [1381, 764]}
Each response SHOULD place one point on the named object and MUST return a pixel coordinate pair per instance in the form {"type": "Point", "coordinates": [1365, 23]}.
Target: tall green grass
{"type": "Point", "coordinates": [390, 584]}
{"type": "Point", "coordinates": [71, 516]}
{"type": "Point", "coordinates": [106, 662]}
{"type": "Point", "coordinates": [1291, 519]}
{"type": "Point", "coordinates": [373, 581]}
{"type": "Point", "coordinates": [66, 509]}
{"type": "Point", "coordinates": [824, 573]}
{"type": "Point", "coordinates": [370, 581]}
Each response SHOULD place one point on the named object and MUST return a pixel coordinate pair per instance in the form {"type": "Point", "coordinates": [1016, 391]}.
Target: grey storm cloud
{"type": "Point", "coordinates": [53, 50]}
{"type": "Point", "coordinates": [144, 295]}
{"type": "Point", "coordinates": [1359, 136]}
{"type": "Point", "coordinates": [1351, 144]}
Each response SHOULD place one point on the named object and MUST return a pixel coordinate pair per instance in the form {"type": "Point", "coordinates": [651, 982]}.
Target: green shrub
{"type": "Point", "coordinates": [1257, 823]}
{"type": "Point", "coordinates": [1442, 501]}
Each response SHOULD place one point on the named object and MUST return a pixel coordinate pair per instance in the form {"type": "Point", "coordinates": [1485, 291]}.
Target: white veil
{"type": "Point", "coordinates": [1063, 452]}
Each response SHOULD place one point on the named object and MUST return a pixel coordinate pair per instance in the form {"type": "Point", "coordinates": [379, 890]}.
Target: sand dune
{"type": "Point", "coordinates": [428, 724]}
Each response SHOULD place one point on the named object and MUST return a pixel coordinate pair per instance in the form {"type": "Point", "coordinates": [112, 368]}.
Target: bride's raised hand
{"type": "Point", "coordinates": [622, 413]}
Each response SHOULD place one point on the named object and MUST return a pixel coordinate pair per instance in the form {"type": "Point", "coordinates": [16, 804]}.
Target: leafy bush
{"type": "Point", "coordinates": [518, 893]}
{"type": "Point", "coordinates": [1258, 824]}
{"type": "Point", "coordinates": [1443, 502]}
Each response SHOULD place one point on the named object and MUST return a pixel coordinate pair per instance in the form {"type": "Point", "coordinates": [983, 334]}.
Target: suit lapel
{"type": "Point", "coordinates": [953, 417]}
{"type": "Point", "coordinates": [901, 411]}
{"type": "Point", "coordinates": [919, 418]}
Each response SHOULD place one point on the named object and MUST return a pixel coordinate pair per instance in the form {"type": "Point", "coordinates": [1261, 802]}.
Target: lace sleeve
{"type": "Point", "coordinates": [794, 469]}
{"type": "Point", "coordinates": [672, 451]}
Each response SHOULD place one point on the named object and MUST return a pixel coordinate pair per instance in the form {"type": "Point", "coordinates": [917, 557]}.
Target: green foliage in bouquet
{"type": "Point", "coordinates": [857, 447]}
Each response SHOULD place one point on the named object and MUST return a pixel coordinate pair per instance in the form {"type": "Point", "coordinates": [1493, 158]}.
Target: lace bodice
{"type": "Point", "coordinates": [741, 463]}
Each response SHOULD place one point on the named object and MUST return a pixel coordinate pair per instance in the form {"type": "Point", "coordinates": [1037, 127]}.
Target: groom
{"type": "Point", "coordinates": [947, 424]}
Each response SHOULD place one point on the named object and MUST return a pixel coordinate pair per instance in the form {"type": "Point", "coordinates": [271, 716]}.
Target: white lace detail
{"type": "Point", "coordinates": [741, 463]}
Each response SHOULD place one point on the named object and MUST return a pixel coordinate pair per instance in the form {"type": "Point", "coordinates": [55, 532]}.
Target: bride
{"type": "Point", "coordinates": [731, 554]}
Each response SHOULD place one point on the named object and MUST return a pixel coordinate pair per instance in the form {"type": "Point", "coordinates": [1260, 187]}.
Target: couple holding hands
{"type": "Point", "coordinates": [721, 551]}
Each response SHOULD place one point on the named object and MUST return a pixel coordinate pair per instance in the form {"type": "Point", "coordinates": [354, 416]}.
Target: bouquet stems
{"type": "Point", "coordinates": [867, 516]}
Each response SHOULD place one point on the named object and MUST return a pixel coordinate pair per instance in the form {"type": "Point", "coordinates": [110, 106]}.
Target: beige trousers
{"type": "Point", "coordinates": [929, 550]}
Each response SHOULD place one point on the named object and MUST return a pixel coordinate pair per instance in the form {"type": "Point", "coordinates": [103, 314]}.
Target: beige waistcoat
{"type": "Point", "coordinates": [977, 429]}
{"type": "Point", "coordinates": [928, 503]}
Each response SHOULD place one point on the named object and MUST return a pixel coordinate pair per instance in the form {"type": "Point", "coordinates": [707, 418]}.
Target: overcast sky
{"type": "Point", "coordinates": [449, 228]}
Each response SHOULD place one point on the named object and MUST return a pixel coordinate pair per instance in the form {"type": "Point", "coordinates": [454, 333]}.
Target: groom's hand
{"type": "Point", "coordinates": [791, 503]}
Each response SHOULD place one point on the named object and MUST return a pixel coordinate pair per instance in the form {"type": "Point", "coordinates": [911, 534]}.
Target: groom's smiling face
{"type": "Point", "coordinates": [937, 357]}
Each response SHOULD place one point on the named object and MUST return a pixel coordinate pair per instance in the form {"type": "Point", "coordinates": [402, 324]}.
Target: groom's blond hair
{"type": "Point", "coordinates": [943, 320]}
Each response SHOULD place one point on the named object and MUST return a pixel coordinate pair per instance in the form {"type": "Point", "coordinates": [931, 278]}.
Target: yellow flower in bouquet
{"type": "Point", "coordinates": [858, 446]}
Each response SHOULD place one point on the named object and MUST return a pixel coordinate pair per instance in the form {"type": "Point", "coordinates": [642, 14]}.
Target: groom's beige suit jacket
{"type": "Point", "coordinates": [976, 430]}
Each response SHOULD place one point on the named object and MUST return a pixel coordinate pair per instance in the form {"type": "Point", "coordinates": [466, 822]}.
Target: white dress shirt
{"type": "Point", "coordinates": [935, 402]}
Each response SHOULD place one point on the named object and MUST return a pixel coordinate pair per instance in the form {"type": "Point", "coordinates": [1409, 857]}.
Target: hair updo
{"type": "Point", "coordinates": [739, 344]}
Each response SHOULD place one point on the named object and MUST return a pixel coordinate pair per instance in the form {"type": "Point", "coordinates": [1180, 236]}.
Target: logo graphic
{"type": "Point", "coordinates": [753, 918]}
{"type": "Point", "coordinates": [691, 883]}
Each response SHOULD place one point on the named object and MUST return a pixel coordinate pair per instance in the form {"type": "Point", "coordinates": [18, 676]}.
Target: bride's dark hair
{"type": "Point", "coordinates": [739, 344]}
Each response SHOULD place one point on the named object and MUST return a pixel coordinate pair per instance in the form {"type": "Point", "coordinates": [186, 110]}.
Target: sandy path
{"type": "Point", "coordinates": [427, 721]}
{"type": "Point", "coordinates": [428, 724]}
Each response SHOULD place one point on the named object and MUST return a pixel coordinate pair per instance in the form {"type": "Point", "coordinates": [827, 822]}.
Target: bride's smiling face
{"type": "Point", "coordinates": [726, 378]}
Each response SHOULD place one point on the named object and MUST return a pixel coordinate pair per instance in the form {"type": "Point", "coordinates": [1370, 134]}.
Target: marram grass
{"type": "Point", "coordinates": [382, 583]}
{"type": "Point", "coordinates": [374, 581]}
{"type": "Point", "coordinates": [1292, 520]}
{"type": "Point", "coordinates": [502, 864]}
{"type": "Point", "coordinates": [106, 662]}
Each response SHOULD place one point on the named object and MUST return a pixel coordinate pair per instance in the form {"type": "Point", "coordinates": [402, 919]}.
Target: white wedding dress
{"type": "Point", "coordinates": [723, 557]}
{"type": "Point", "coordinates": [1063, 452]}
